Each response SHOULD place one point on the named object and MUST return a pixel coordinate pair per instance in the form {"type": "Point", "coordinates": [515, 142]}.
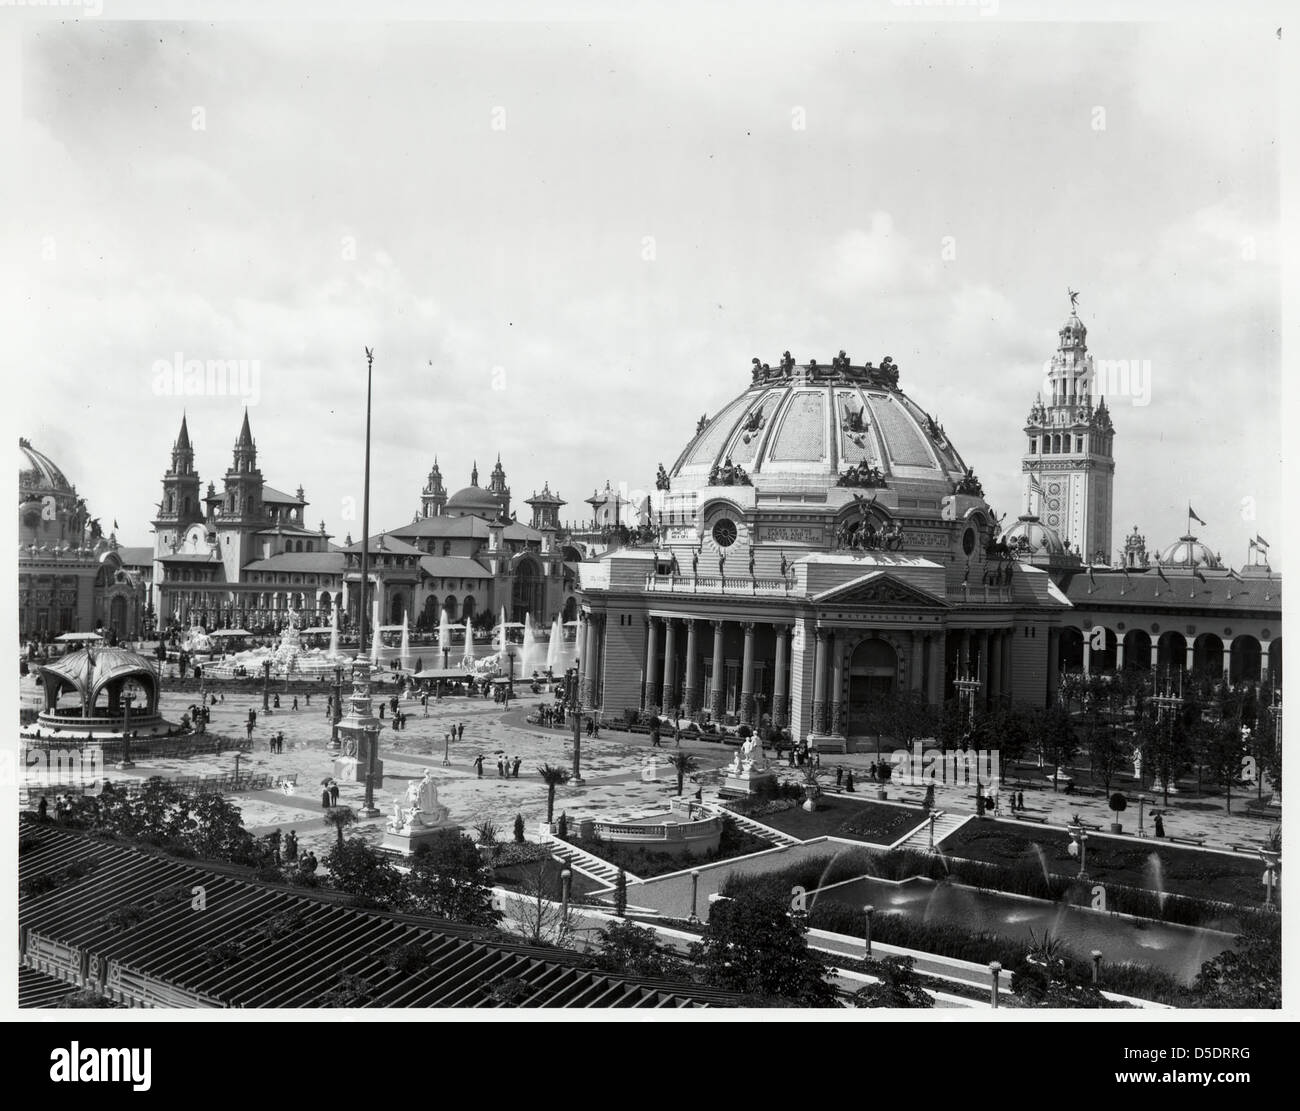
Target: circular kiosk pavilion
{"type": "Point", "coordinates": [100, 692]}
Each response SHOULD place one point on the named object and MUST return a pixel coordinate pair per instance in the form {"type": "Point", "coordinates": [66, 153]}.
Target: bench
{"type": "Point", "coordinates": [1020, 815]}
{"type": "Point", "coordinates": [1198, 841]}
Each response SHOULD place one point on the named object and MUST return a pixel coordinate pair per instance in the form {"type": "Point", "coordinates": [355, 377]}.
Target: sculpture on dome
{"type": "Point", "coordinates": [969, 485]}
{"type": "Point", "coordinates": [754, 422]}
{"type": "Point", "coordinates": [863, 476]}
{"type": "Point", "coordinates": [841, 361]}
{"type": "Point", "coordinates": [787, 363]}
{"type": "Point", "coordinates": [855, 420]}
{"type": "Point", "coordinates": [1074, 298]}
{"type": "Point", "coordinates": [728, 474]}
{"type": "Point", "coordinates": [661, 479]}
{"type": "Point", "coordinates": [889, 371]}
{"type": "Point", "coordinates": [702, 423]}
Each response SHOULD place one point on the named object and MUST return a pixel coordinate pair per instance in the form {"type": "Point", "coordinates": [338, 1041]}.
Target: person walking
{"type": "Point", "coordinates": [334, 793]}
{"type": "Point", "coordinates": [276, 701]}
{"type": "Point", "coordinates": [839, 774]}
{"type": "Point", "coordinates": [295, 702]}
{"type": "Point", "coordinates": [291, 847]}
{"type": "Point", "coordinates": [478, 765]}
{"type": "Point", "coordinates": [1160, 823]}
{"type": "Point", "coordinates": [501, 767]}
{"type": "Point", "coordinates": [461, 734]}
{"type": "Point", "coordinates": [514, 771]}
{"type": "Point", "coordinates": [325, 797]}
{"type": "Point", "coordinates": [848, 781]}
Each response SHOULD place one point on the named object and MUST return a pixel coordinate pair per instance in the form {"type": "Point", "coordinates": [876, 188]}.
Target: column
{"type": "Point", "coordinates": [780, 685]}
{"type": "Point", "coordinates": [1191, 654]}
{"type": "Point", "coordinates": [590, 656]}
{"type": "Point", "coordinates": [651, 685]}
{"type": "Point", "coordinates": [918, 662]}
{"type": "Point", "coordinates": [693, 691]}
{"type": "Point", "coordinates": [1006, 663]}
{"type": "Point", "coordinates": [995, 668]}
{"type": "Point", "coordinates": [1155, 655]}
{"type": "Point", "coordinates": [718, 681]}
{"type": "Point", "coordinates": [1087, 652]}
{"type": "Point", "coordinates": [836, 649]}
{"type": "Point", "coordinates": [983, 674]}
{"type": "Point", "coordinates": [747, 676]}
{"type": "Point", "coordinates": [1119, 652]}
{"type": "Point", "coordinates": [1053, 663]}
{"type": "Point", "coordinates": [936, 645]}
{"type": "Point", "coordinates": [580, 647]}
{"type": "Point", "coordinates": [1227, 661]}
{"type": "Point", "coordinates": [669, 699]}
{"type": "Point", "coordinates": [819, 684]}
{"type": "Point", "coordinates": [1263, 661]}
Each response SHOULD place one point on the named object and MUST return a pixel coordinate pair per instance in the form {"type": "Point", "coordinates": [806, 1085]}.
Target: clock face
{"type": "Point", "coordinates": [724, 533]}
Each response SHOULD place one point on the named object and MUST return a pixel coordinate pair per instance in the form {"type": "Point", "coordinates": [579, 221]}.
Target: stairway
{"type": "Point", "coordinates": [945, 824]}
{"type": "Point", "coordinates": [582, 861]}
{"type": "Point", "coordinates": [757, 829]}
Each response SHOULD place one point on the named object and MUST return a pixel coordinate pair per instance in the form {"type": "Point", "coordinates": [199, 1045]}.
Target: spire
{"type": "Point", "coordinates": [245, 433]}
{"type": "Point", "coordinates": [245, 448]}
{"type": "Point", "coordinates": [183, 440]}
{"type": "Point", "coordinates": [183, 451]}
{"type": "Point", "coordinates": [473, 476]}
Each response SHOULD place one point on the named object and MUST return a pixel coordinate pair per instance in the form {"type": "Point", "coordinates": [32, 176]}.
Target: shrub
{"type": "Point", "coordinates": [519, 829]}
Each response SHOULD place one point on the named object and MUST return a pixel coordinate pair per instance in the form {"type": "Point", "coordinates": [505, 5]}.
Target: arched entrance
{"type": "Point", "coordinates": [570, 609]}
{"type": "Point", "coordinates": [1137, 650]}
{"type": "Point", "coordinates": [1172, 653]}
{"type": "Point", "coordinates": [117, 615]}
{"type": "Point", "coordinates": [873, 671]}
{"type": "Point", "coordinates": [1245, 659]}
{"type": "Point", "coordinates": [429, 615]}
{"type": "Point", "coordinates": [527, 592]}
{"type": "Point", "coordinates": [1207, 655]}
{"type": "Point", "coordinates": [468, 608]}
{"type": "Point", "coordinates": [451, 609]}
{"type": "Point", "coordinates": [1071, 649]}
{"type": "Point", "coordinates": [397, 610]}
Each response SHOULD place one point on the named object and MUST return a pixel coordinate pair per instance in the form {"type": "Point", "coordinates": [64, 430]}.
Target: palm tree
{"type": "Point", "coordinates": [553, 777]}
{"type": "Point", "coordinates": [683, 764]}
{"type": "Point", "coordinates": [339, 817]}
{"type": "Point", "coordinates": [812, 785]}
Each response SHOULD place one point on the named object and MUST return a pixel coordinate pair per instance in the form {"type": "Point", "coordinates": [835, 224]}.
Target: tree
{"type": "Point", "coordinates": [340, 817]}
{"type": "Point", "coordinates": [620, 894]}
{"type": "Point", "coordinates": [1056, 739]}
{"type": "Point", "coordinates": [899, 986]}
{"type": "Point", "coordinates": [1223, 751]}
{"type": "Point", "coordinates": [907, 718]}
{"type": "Point", "coordinates": [630, 949]}
{"type": "Point", "coordinates": [1107, 751]}
{"type": "Point", "coordinates": [754, 946]}
{"type": "Point", "coordinates": [553, 777]}
{"type": "Point", "coordinates": [519, 829]}
{"type": "Point", "coordinates": [1251, 975]}
{"type": "Point", "coordinates": [532, 909]}
{"type": "Point", "coordinates": [683, 763]}
{"type": "Point", "coordinates": [448, 879]}
{"type": "Point", "coordinates": [366, 874]}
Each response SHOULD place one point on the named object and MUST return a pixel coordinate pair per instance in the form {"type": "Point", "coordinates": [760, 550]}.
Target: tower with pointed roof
{"type": "Point", "coordinates": [433, 498]}
{"type": "Point", "coordinates": [243, 511]}
{"type": "Point", "coordinates": [498, 488]}
{"type": "Point", "coordinates": [1069, 465]}
{"type": "Point", "coordinates": [181, 505]}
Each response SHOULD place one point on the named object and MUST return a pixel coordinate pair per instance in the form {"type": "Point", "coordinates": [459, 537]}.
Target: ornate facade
{"type": "Point", "coordinates": [71, 576]}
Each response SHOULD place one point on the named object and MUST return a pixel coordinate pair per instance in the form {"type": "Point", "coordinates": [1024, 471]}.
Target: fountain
{"type": "Point", "coordinates": [334, 630]}
{"type": "Point", "coordinates": [1155, 876]}
{"type": "Point", "coordinates": [501, 645]}
{"type": "Point", "coordinates": [444, 638]}
{"type": "Point", "coordinates": [553, 647]}
{"type": "Point", "coordinates": [374, 634]}
{"type": "Point", "coordinates": [406, 641]}
{"type": "Point", "coordinates": [528, 658]}
{"type": "Point", "coordinates": [469, 645]}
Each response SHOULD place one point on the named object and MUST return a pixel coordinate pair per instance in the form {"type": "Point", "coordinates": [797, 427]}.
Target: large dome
{"type": "Point", "coordinates": [1030, 538]}
{"type": "Point", "coordinates": [473, 500]}
{"type": "Point", "coordinates": [37, 472]}
{"type": "Point", "coordinates": [1189, 552]}
{"type": "Point", "coordinates": [801, 427]}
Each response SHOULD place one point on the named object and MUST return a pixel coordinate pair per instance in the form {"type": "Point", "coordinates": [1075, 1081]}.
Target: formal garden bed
{"type": "Point", "coordinates": [840, 817]}
{"type": "Point", "coordinates": [1214, 877]}
{"type": "Point", "coordinates": [734, 842]}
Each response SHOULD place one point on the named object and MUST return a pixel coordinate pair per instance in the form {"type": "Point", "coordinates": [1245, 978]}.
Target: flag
{"type": "Point", "coordinates": [1035, 486]}
{"type": "Point", "coordinates": [1233, 575]}
{"type": "Point", "coordinates": [1253, 546]}
{"type": "Point", "coordinates": [1092, 581]}
{"type": "Point", "coordinates": [1260, 541]}
{"type": "Point", "coordinates": [114, 524]}
{"type": "Point", "coordinates": [1199, 576]}
{"type": "Point", "coordinates": [1161, 572]}
{"type": "Point", "coordinates": [1192, 514]}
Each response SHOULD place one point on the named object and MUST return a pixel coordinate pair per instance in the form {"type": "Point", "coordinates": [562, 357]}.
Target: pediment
{"type": "Point", "coordinates": [880, 588]}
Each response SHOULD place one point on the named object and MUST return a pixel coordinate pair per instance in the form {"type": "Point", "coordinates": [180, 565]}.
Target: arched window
{"type": "Point", "coordinates": [171, 503]}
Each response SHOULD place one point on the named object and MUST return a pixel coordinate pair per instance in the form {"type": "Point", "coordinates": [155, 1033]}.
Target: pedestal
{"type": "Point", "coordinates": [349, 769]}
{"type": "Point", "coordinates": [746, 781]}
{"type": "Point", "coordinates": [407, 841]}
{"type": "Point", "coordinates": [828, 742]}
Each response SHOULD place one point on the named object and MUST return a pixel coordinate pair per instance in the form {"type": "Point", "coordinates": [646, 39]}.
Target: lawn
{"type": "Point", "coordinates": [840, 817]}
{"type": "Point", "coordinates": [1202, 875]}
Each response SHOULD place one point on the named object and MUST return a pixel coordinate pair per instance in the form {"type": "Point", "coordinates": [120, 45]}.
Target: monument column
{"type": "Point", "coordinates": [579, 648]}
{"type": "Point", "coordinates": [651, 690]}
{"type": "Point", "coordinates": [819, 684]}
{"type": "Point", "coordinates": [669, 700]}
{"type": "Point", "coordinates": [590, 656]}
{"type": "Point", "coordinates": [693, 692]}
{"type": "Point", "coordinates": [719, 677]}
{"type": "Point", "coordinates": [747, 676]}
{"type": "Point", "coordinates": [836, 649]}
{"type": "Point", "coordinates": [780, 684]}
{"type": "Point", "coordinates": [1263, 660]}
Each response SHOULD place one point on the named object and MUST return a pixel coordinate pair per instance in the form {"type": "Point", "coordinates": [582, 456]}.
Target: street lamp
{"type": "Point", "coordinates": [869, 911]}
{"type": "Point", "coordinates": [1142, 799]}
{"type": "Point", "coordinates": [566, 880]}
{"type": "Point", "coordinates": [996, 969]}
{"type": "Point", "coordinates": [1080, 837]}
{"type": "Point", "coordinates": [127, 699]}
{"type": "Point", "coordinates": [337, 713]}
{"type": "Point", "coordinates": [695, 891]}
{"type": "Point", "coordinates": [1096, 966]}
{"type": "Point", "coordinates": [446, 749]}
{"type": "Point", "coordinates": [266, 685]}
{"type": "Point", "coordinates": [575, 711]}
{"type": "Point", "coordinates": [510, 681]}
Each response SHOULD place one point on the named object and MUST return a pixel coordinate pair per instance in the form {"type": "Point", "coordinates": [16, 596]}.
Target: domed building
{"type": "Point", "coordinates": [822, 547]}
{"type": "Point", "coordinates": [1188, 552]}
{"type": "Point", "coordinates": [71, 576]}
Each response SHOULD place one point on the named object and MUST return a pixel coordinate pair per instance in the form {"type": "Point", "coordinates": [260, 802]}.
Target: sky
{"type": "Point", "coordinates": [565, 242]}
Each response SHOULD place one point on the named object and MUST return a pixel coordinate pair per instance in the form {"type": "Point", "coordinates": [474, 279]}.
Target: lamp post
{"type": "Point", "coordinates": [337, 711]}
{"type": "Point", "coordinates": [695, 892]}
{"type": "Point", "coordinates": [446, 749]}
{"type": "Point", "coordinates": [127, 699]}
{"type": "Point", "coordinates": [575, 711]}
{"type": "Point", "coordinates": [1080, 838]}
{"type": "Point", "coordinates": [266, 685]}
{"type": "Point", "coordinates": [1272, 860]}
{"type": "Point", "coordinates": [1142, 799]}
{"type": "Point", "coordinates": [368, 809]}
{"type": "Point", "coordinates": [510, 680]}
{"type": "Point", "coordinates": [1096, 966]}
{"type": "Point", "coordinates": [236, 769]}
{"type": "Point", "coordinates": [996, 969]}
{"type": "Point", "coordinates": [869, 911]}
{"type": "Point", "coordinates": [566, 880]}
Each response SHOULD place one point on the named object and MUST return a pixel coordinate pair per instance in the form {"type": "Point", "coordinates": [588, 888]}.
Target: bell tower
{"type": "Point", "coordinates": [497, 486]}
{"type": "Point", "coordinates": [1068, 465]}
{"type": "Point", "coordinates": [181, 505]}
{"type": "Point", "coordinates": [433, 498]}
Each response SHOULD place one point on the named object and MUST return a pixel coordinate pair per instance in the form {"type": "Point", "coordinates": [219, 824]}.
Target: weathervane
{"type": "Point", "coordinates": [1074, 298]}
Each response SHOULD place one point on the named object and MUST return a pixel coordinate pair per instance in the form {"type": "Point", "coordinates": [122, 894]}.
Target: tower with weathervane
{"type": "Point", "coordinates": [1068, 466]}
